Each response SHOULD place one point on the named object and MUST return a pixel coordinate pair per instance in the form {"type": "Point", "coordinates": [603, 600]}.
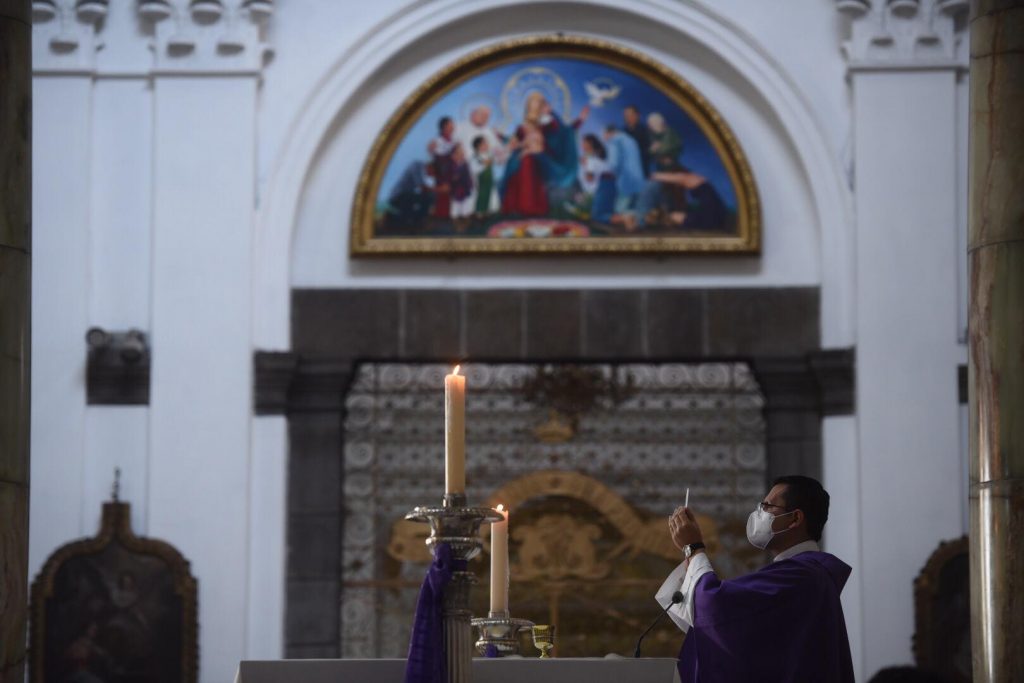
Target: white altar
{"type": "Point", "coordinates": [509, 670]}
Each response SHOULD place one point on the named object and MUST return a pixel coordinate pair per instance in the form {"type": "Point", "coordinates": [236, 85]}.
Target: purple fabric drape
{"type": "Point", "coordinates": [426, 660]}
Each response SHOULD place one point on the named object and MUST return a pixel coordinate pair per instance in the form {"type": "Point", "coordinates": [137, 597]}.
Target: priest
{"type": "Point", "coordinates": [781, 624]}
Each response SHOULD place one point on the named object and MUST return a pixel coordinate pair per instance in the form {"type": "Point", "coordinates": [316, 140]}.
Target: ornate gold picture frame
{"type": "Point", "coordinates": [552, 145]}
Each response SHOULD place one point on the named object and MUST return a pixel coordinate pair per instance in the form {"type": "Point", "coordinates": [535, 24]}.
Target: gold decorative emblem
{"type": "Point", "coordinates": [558, 547]}
{"type": "Point", "coordinates": [557, 429]}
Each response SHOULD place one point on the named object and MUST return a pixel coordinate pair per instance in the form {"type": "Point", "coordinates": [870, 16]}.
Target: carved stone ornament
{"type": "Point", "coordinates": [114, 607]}
{"type": "Point", "coordinates": [905, 34]}
{"type": "Point", "coordinates": [199, 36]}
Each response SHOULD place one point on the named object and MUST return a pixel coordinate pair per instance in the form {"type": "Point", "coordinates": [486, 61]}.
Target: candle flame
{"type": "Point", "coordinates": [456, 370]}
{"type": "Point", "coordinates": [500, 508]}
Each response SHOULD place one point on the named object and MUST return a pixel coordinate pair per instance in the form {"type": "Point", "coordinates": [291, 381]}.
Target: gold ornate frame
{"type": "Point", "coordinates": [116, 528]}
{"type": "Point", "coordinates": [746, 240]}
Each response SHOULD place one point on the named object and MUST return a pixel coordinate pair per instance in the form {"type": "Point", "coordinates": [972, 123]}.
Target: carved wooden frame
{"type": "Point", "coordinates": [116, 526]}
{"type": "Point", "coordinates": [926, 587]}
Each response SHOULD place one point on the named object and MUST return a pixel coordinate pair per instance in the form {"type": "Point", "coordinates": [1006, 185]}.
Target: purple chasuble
{"type": "Point", "coordinates": [781, 624]}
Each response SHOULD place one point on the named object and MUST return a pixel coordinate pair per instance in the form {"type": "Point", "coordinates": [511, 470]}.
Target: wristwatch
{"type": "Point", "coordinates": [692, 548]}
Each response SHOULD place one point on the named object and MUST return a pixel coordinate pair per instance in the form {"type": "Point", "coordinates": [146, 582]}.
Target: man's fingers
{"type": "Point", "coordinates": [689, 515]}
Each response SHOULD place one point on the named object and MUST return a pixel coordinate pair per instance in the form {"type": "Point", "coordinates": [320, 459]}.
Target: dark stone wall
{"type": "Point", "coordinates": [597, 324]}
{"type": "Point", "coordinates": [775, 330]}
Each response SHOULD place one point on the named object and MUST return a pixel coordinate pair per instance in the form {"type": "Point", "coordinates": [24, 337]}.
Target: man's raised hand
{"type": "Point", "coordinates": [684, 529]}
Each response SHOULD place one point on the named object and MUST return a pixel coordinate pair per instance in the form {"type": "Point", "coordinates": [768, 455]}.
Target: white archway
{"type": "Point", "coordinates": [406, 35]}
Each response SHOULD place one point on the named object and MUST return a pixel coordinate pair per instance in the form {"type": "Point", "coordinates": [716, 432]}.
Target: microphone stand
{"type": "Point", "coordinates": [677, 598]}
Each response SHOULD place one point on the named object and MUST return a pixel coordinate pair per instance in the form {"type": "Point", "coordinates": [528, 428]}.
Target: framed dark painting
{"type": "Point", "coordinates": [555, 144]}
{"type": "Point", "coordinates": [115, 608]}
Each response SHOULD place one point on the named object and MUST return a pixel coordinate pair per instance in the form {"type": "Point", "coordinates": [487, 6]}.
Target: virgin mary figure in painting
{"type": "Point", "coordinates": [523, 187]}
{"type": "Point", "coordinates": [543, 158]}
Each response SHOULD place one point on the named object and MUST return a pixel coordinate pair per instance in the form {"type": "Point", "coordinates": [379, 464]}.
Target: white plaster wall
{"type": "Point", "coordinates": [907, 413]}
{"type": "Point", "coordinates": [191, 215]}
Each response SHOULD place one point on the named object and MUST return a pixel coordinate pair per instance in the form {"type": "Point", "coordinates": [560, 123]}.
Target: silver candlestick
{"type": "Point", "coordinates": [501, 631]}
{"type": "Point", "coordinates": [457, 525]}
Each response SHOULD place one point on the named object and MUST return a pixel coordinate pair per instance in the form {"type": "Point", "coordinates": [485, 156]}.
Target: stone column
{"type": "Point", "coordinates": [996, 253]}
{"type": "Point", "coordinates": [15, 284]}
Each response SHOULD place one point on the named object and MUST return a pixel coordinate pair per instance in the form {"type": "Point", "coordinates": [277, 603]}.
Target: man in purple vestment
{"type": "Point", "coordinates": [781, 624]}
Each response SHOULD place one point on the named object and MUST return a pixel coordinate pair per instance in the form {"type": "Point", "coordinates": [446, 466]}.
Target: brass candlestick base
{"type": "Point", "coordinates": [501, 631]}
{"type": "Point", "coordinates": [457, 525]}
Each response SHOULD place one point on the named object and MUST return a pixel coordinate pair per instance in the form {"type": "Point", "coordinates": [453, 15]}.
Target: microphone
{"type": "Point", "coordinates": [677, 598]}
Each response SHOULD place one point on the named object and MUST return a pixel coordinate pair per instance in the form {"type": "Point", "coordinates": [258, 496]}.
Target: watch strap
{"type": "Point", "coordinates": [694, 547]}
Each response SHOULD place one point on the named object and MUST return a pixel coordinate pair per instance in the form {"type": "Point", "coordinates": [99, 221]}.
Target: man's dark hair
{"type": "Point", "coordinates": [444, 121]}
{"type": "Point", "coordinates": [611, 128]}
{"type": "Point", "coordinates": [633, 107]}
{"type": "Point", "coordinates": [808, 495]}
{"type": "Point", "coordinates": [477, 141]}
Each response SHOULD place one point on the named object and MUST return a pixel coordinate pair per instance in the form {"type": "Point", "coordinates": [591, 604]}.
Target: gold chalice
{"type": "Point", "coordinates": [544, 639]}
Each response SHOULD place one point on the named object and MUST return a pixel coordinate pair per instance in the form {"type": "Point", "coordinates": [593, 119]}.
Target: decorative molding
{"type": "Point", "coordinates": [211, 37]}
{"type": "Point", "coordinates": [66, 35]}
{"type": "Point", "coordinates": [208, 36]}
{"type": "Point", "coordinates": [905, 34]}
{"type": "Point", "coordinates": [273, 373]}
{"type": "Point", "coordinates": [118, 368]}
{"type": "Point", "coordinates": [821, 381]}
{"type": "Point", "coordinates": [286, 383]}
{"type": "Point", "coordinates": [834, 373]}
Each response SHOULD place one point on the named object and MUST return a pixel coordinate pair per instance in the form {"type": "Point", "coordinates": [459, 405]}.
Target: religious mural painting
{"type": "Point", "coordinates": [555, 144]}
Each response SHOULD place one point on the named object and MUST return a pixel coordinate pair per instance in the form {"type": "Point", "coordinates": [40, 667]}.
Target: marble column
{"type": "Point", "coordinates": [15, 281]}
{"type": "Point", "coordinates": [996, 254]}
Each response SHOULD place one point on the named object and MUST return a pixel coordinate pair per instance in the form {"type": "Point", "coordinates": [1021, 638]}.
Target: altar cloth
{"type": "Point", "coordinates": [507, 670]}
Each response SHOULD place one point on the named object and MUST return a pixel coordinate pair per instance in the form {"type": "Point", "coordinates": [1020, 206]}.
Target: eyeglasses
{"type": "Point", "coordinates": [763, 507]}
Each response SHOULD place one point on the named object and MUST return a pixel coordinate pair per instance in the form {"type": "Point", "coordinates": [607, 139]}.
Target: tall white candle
{"type": "Point", "coordinates": [455, 432]}
{"type": "Point", "coordinates": [499, 563]}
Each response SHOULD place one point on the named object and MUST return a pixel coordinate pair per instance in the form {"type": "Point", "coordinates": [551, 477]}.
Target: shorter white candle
{"type": "Point", "coordinates": [499, 563]}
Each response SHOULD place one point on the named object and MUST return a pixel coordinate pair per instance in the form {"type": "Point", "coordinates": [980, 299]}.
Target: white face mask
{"type": "Point", "coordinates": [759, 527]}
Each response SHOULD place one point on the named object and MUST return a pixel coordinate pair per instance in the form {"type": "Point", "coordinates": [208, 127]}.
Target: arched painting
{"type": "Point", "coordinates": [555, 144]}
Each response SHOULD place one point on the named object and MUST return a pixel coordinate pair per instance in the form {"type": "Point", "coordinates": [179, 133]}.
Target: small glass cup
{"type": "Point", "coordinates": [544, 639]}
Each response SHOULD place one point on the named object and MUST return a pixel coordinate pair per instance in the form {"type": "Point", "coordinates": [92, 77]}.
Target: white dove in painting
{"type": "Point", "coordinates": [599, 93]}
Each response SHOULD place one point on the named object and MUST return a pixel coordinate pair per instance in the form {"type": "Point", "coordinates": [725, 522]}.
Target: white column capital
{"type": "Point", "coordinates": [65, 35]}
{"type": "Point", "coordinates": [155, 37]}
{"type": "Point", "coordinates": [902, 35]}
{"type": "Point", "coordinates": [213, 37]}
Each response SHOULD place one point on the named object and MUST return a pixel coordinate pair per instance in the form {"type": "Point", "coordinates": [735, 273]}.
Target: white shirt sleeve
{"type": "Point", "coordinates": [683, 579]}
